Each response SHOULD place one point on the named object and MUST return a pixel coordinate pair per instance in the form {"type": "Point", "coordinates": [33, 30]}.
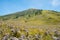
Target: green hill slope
{"type": "Point", "coordinates": [46, 16]}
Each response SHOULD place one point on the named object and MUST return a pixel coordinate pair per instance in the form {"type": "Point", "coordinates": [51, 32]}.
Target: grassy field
{"type": "Point", "coordinates": [31, 24]}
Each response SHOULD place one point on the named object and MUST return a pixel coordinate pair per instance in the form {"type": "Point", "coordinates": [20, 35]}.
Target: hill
{"type": "Point", "coordinates": [48, 16]}
{"type": "Point", "coordinates": [30, 24]}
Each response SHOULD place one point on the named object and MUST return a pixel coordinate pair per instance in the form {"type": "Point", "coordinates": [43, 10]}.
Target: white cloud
{"type": "Point", "coordinates": [55, 2]}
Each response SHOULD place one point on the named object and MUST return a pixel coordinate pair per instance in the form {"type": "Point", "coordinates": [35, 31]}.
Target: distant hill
{"type": "Point", "coordinates": [48, 16]}
{"type": "Point", "coordinates": [22, 13]}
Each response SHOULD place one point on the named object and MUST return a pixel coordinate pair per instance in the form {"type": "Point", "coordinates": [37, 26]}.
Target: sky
{"type": "Point", "coordinates": [11, 6]}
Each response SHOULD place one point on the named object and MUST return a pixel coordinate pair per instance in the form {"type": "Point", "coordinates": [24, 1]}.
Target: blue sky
{"type": "Point", "coordinates": [11, 6]}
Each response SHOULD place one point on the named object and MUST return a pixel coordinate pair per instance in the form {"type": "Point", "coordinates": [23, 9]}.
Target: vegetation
{"type": "Point", "coordinates": [31, 24]}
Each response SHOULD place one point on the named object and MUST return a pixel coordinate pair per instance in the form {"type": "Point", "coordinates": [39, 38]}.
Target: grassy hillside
{"type": "Point", "coordinates": [47, 16]}
{"type": "Point", "coordinates": [31, 24]}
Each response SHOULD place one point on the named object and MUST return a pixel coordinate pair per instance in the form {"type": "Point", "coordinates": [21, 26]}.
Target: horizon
{"type": "Point", "coordinates": [11, 6]}
{"type": "Point", "coordinates": [24, 10]}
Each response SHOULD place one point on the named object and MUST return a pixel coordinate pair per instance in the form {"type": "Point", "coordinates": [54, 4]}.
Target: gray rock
{"type": "Point", "coordinates": [55, 38]}
{"type": "Point", "coordinates": [5, 37]}
{"type": "Point", "coordinates": [14, 38]}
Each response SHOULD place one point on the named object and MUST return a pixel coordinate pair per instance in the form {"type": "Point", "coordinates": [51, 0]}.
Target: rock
{"type": "Point", "coordinates": [56, 38]}
{"type": "Point", "coordinates": [5, 37]}
{"type": "Point", "coordinates": [14, 38]}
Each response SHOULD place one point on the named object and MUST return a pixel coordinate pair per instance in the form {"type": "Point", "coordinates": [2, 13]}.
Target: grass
{"type": "Point", "coordinates": [31, 23]}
